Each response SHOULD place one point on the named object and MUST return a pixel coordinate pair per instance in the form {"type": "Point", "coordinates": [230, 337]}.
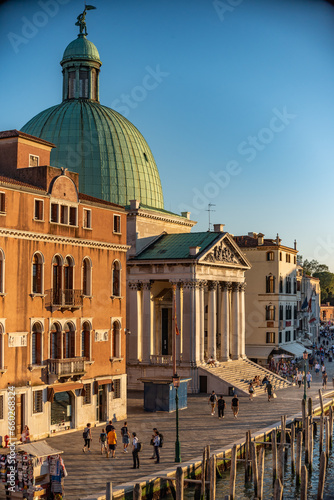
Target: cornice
{"type": "Point", "coordinates": [31, 236]}
{"type": "Point", "coordinates": [181, 222]}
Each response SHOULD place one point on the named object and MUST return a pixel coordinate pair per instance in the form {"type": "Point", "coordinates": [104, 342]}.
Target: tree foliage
{"type": "Point", "coordinates": [326, 285]}
{"type": "Point", "coordinates": [312, 266]}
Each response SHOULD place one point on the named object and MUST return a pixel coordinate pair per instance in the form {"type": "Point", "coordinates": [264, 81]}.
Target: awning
{"type": "Point", "coordinates": [36, 449]}
{"type": "Point", "coordinates": [258, 352]}
{"type": "Point", "coordinates": [103, 381]}
{"type": "Point", "coordinates": [295, 349]}
{"type": "Point", "coordinates": [62, 388]}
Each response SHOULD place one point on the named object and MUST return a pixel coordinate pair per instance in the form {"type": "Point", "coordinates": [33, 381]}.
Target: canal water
{"type": "Point", "coordinates": [246, 492]}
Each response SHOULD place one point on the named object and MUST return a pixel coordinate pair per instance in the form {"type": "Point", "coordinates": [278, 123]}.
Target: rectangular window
{"type": "Point", "coordinates": [38, 213]}
{"type": "Point", "coordinates": [87, 394]}
{"type": "Point", "coordinates": [281, 313]}
{"type": "Point", "coordinates": [287, 336]}
{"type": "Point", "coordinates": [294, 286]}
{"type": "Point", "coordinates": [54, 212]}
{"type": "Point", "coordinates": [73, 216]}
{"type": "Point", "coordinates": [2, 202]}
{"type": "Point", "coordinates": [33, 161]}
{"type": "Point", "coordinates": [117, 388]}
{"type": "Point", "coordinates": [294, 335]}
{"type": "Point", "coordinates": [63, 214]}
{"type": "Point", "coordinates": [270, 337]}
{"type": "Point", "coordinates": [279, 337]}
{"type": "Point", "coordinates": [37, 401]}
{"type": "Point", "coordinates": [287, 257]}
{"type": "Point", "coordinates": [117, 223]}
{"type": "Point", "coordinates": [1, 408]}
{"type": "Point", "coordinates": [87, 219]}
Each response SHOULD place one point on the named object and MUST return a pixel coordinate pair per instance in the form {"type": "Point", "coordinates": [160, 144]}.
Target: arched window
{"type": "Point", "coordinates": [115, 340]}
{"type": "Point", "coordinates": [116, 276]}
{"type": "Point", "coordinates": [36, 344]}
{"type": "Point", "coordinates": [281, 284]}
{"type": "Point", "coordinates": [85, 340]}
{"type": "Point", "coordinates": [270, 312]}
{"type": "Point", "coordinates": [69, 341]}
{"type": "Point", "coordinates": [270, 284]}
{"type": "Point", "coordinates": [2, 271]}
{"type": "Point", "coordinates": [1, 346]}
{"type": "Point", "coordinates": [57, 280]}
{"type": "Point", "coordinates": [87, 277]}
{"type": "Point", "coordinates": [270, 256]}
{"type": "Point", "coordinates": [55, 341]}
{"type": "Point", "coordinates": [37, 273]}
{"type": "Point", "coordinates": [68, 281]}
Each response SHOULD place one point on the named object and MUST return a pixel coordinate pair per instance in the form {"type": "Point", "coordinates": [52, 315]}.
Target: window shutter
{"type": "Point", "coordinates": [38, 278]}
{"type": "Point", "coordinates": [38, 347]}
{"type": "Point", "coordinates": [72, 344]}
{"type": "Point", "coordinates": [73, 216]}
{"type": "Point", "coordinates": [58, 345]}
{"type": "Point", "coordinates": [86, 344]}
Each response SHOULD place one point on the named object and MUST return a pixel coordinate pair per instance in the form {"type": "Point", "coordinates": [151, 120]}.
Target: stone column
{"type": "Point", "coordinates": [235, 321]}
{"type": "Point", "coordinates": [147, 341]}
{"type": "Point", "coordinates": [212, 318]}
{"type": "Point", "coordinates": [188, 322]}
{"type": "Point", "coordinates": [134, 322]}
{"type": "Point", "coordinates": [201, 319]}
{"type": "Point", "coordinates": [225, 320]}
{"type": "Point", "coordinates": [242, 331]}
{"type": "Point", "coordinates": [178, 303]}
{"type": "Point", "coordinates": [197, 323]}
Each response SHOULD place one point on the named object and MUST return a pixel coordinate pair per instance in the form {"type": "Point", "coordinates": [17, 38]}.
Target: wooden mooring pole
{"type": "Point", "coordinates": [321, 434]}
{"type": "Point", "coordinates": [292, 442]}
{"type": "Point", "coordinates": [179, 483]}
{"type": "Point", "coordinates": [278, 490]}
{"type": "Point", "coordinates": [274, 453]}
{"type": "Point", "coordinates": [299, 457]}
{"type": "Point", "coordinates": [310, 407]}
{"type": "Point", "coordinates": [247, 458]}
{"type": "Point", "coordinates": [109, 491]}
{"type": "Point", "coordinates": [327, 436]}
{"type": "Point", "coordinates": [254, 467]}
{"type": "Point", "coordinates": [280, 462]}
{"type": "Point", "coordinates": [303, 488]}
{"type": "Point", "coordinates": [322, 476]}
{"type": "Point", "coordinates": [303, 413]}
{"type": "Point", "coordinates": [203, 474]}
{"type": "Point", "coordinates": [213, 477]}
{"type": "Point", "coordinates": [331, 414]}
{"type": "Point", "coordinates": [321, 402]}
{"type": "Point", "coordinates": [307, 442]}
{"type": "Point", "coordinates": [260, 474]}
{"type": "Point", "coordinates": [233, 472]}
{"type": "Point", "coordinates": [310, 437]}
{"type": "Point", "coordinates": [137, 493]}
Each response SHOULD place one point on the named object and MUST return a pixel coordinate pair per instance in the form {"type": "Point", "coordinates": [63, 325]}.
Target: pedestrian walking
{"type": "Point", "coordinates": [251, 391]}
{"type": "Point", "coordinates": [135, 451]}
{"type": "Point", "coordinates": [152, 443]}
{"type": "Point", "coordinates": [156, 442]}
{"type": "Point", "coordinates": [323, 368]}
{"type": "Point", "coordinates": [109, 427]}
{"type": "Point", "coordinates": [87, 435]}
{"type": "Point", "coordinates": [299, 379]}
{"type": "Point", "coordinates": [324, 380]}
{"type": "Point", "coordinates": [235, 406]}
{"type": "Point", "coordinates": [269, 391]}
{"type": "Point", "coordinates": [221, 407]}
{"type": "Point", "coordinates": [103, 441]}
{"type": "Point", "coordinates": [317, 368]}
{"type": "Point", "coordinates": [212, 401]}
{"type": "Point", "coordinates": [125, 437]}
{"type": "Point", "coordinates": [308, 379]}
{"type": "Point", "coordinates": [112, 442]}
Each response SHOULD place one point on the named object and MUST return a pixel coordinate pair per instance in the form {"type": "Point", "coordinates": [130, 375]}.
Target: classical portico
{"type": "Point", "coordinates": [206, 273]}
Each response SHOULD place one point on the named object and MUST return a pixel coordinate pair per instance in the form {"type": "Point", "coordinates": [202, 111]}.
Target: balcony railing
{"type": "Point", "coordinates": [64, 298]}
{"type": "Point", "coordinates": [159, 359]}
{"type": "Point", "coordinates": [67, 367]}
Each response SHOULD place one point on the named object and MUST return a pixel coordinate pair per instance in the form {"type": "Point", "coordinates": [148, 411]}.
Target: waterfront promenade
{"type": "Point", "coordinates": [88, 473]}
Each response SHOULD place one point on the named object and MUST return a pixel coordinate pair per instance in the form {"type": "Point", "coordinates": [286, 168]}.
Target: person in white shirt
{"type": "Point", "coordinates": [308, 379]}
{"type": "Point", "coordinates": [156, 442]}
{"type": "Point", "coordinates": [299, 379]}
{"type": "Point", "coordinates": [317, 368]}
{"type": "Point", "coordinates": [135, 451]}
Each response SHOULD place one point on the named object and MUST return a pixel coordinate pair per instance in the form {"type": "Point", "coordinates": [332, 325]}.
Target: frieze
{"type": "Point", "coordinates": [222, 253]}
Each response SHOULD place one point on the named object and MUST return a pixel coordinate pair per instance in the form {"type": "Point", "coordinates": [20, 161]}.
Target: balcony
{"type": "Point", "coordinates": [65, 368]}
{"type": "Point", "coordinates": [64, 299]}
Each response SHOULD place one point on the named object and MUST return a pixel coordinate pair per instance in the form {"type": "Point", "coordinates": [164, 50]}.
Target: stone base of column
{"type": "Point", "coordinates": [236, 357]}
{"type": "Point", "coordinates": [224, 359]}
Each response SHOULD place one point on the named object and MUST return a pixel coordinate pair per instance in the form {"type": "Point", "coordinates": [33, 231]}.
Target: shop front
{"type": "Point", "coordinates": [63, 399]}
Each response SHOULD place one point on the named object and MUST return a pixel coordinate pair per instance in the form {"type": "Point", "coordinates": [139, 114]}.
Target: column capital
{"type": "Point", "coordinates": [235, 287]}
{"type": "Point", "coordinates": [191, 284]}
{"type": "Point", "coordinates": [146, 285]}
{"type": "Point", "coordinates": [242, 287]}
{"type": "Point", "coordinates": [135, 285]}
{"type": "Point", "coordinates": [212, 285]}
{"type": "Point", "coordinates": [176, 283]}
{"type": "Point", "coordinates": [225, 285]}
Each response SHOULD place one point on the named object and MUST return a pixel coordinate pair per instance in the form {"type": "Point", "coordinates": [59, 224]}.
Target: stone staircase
{"type": "Point", "coordinates": [239, 373]}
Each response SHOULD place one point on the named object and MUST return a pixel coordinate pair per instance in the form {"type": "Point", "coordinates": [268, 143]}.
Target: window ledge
{"type": "Point", "coordinates": [33, 295]}
{"type": "Point", "coordinates": [3, 294]}
{"type": "Point", "coordinates": [87, 296]}
{"type": "Point", "coordinates": [89, 362]}
{"type": "Point", "coordinates": [3, 370]}
{"type": "Point", "coordinates": [115, 232]}
{"type": "Point", "coordinates": [38, 220]}
{"type": "Point", "coordinates": [35, 367]}
{"type": "Point", "coordinates": [64, 225]}
{"type": "Point", "coordinates": [116, 297]}
{"type": "Point", "coordinates": [3, 213]}
{"type": "Point", "coordinates": [112, 360]}
{"type": "Point", "coordinates": [87, 228]}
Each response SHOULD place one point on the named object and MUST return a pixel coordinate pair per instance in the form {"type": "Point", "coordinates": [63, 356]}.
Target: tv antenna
{"type": "Point", "coordinates": [209, 209]}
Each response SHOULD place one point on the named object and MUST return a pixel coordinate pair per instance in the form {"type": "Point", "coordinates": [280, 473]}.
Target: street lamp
{"type": "Point", "coordinates": [305, 356]}
{"type": "Point", "coordinates": [176, 384]}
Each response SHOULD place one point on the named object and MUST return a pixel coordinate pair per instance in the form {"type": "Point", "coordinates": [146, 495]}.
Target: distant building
{"type": "Point", "coordinates": [308, 296]}
{"type": "Point", "coordinates": [271, 297]}
{"type": "Point", "coordinates": [327, 313]}
{"type": "Point", "coordinates": [62, 295]}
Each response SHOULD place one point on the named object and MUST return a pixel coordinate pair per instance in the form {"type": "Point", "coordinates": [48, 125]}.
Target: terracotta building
{"type": "Point", "coordinates": [62, 294]}
{"type": "Point", "coordinates": [327, 312]}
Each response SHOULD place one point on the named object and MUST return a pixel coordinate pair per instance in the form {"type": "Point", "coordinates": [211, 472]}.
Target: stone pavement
{"type": "Point", "coordinates": [88, 473]}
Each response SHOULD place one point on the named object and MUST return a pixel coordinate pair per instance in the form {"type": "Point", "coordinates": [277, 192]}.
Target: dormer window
{"type": "Point", "coordinates": [33, 161]}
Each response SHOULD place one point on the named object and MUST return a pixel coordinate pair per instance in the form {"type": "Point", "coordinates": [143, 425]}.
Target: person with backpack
{"type": "Point", "coordinates": [156, 442]}
{"type": "Point", "coordinates": [212, 401]}
{"type": "Point", "coordinates": [87, 435]}
{"type": "Point", "coordinates": [103, 441]}
{"type": "Point", "coordinates": [221, 407]}
{"type": "Point", "coordinates": [125, 437]}
{"type": "Point", "coordinates": [136, 447]}
{"type": "Point", "coordinates": [152, 443]}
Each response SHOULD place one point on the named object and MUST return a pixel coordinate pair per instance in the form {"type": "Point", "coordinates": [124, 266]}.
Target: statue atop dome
{"type": "Point", "coordinates": [81, 20]}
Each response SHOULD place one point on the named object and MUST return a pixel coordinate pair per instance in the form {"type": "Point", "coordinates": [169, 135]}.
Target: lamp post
{"type": "Point", "coordinates": [176, 384]}
{"type": "Point", "coordinates": [305, 356]}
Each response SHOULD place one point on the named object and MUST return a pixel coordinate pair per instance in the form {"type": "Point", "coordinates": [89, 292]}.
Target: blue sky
{"type": "Point", "coordinates": [243, 113]}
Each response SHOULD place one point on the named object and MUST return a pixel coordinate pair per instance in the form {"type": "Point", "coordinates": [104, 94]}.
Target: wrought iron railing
{"type": "Point", "coordinates": [64, 298]}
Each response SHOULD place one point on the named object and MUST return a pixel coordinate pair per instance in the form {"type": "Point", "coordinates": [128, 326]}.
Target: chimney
{"type": "Point", "coordinates": [134, 204]}
{"type": "Point", "coordinates": [218, 228]}
{"type": "Point", "coordinates": [295, 245]}
{"type": "Point", "coordinates": [194, 250]}
{"type": "Point", "coordinates": [252, 235]}
{"type": "Point", "coordinates": [260, 239]}
{"type": "Point", "coordinates": [186, 215]}
{"type": "Point", "coordinates": [278, 241]}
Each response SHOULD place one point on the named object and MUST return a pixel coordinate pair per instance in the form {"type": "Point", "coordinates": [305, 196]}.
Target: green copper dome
{"type": "Point", "coordinates": [111, 156]}
{"type": "Point", "coordinates": [81, 48]}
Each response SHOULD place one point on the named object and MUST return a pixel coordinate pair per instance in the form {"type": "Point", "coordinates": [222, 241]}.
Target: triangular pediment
{"type": "Point", "coordinates": [225, 252]}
